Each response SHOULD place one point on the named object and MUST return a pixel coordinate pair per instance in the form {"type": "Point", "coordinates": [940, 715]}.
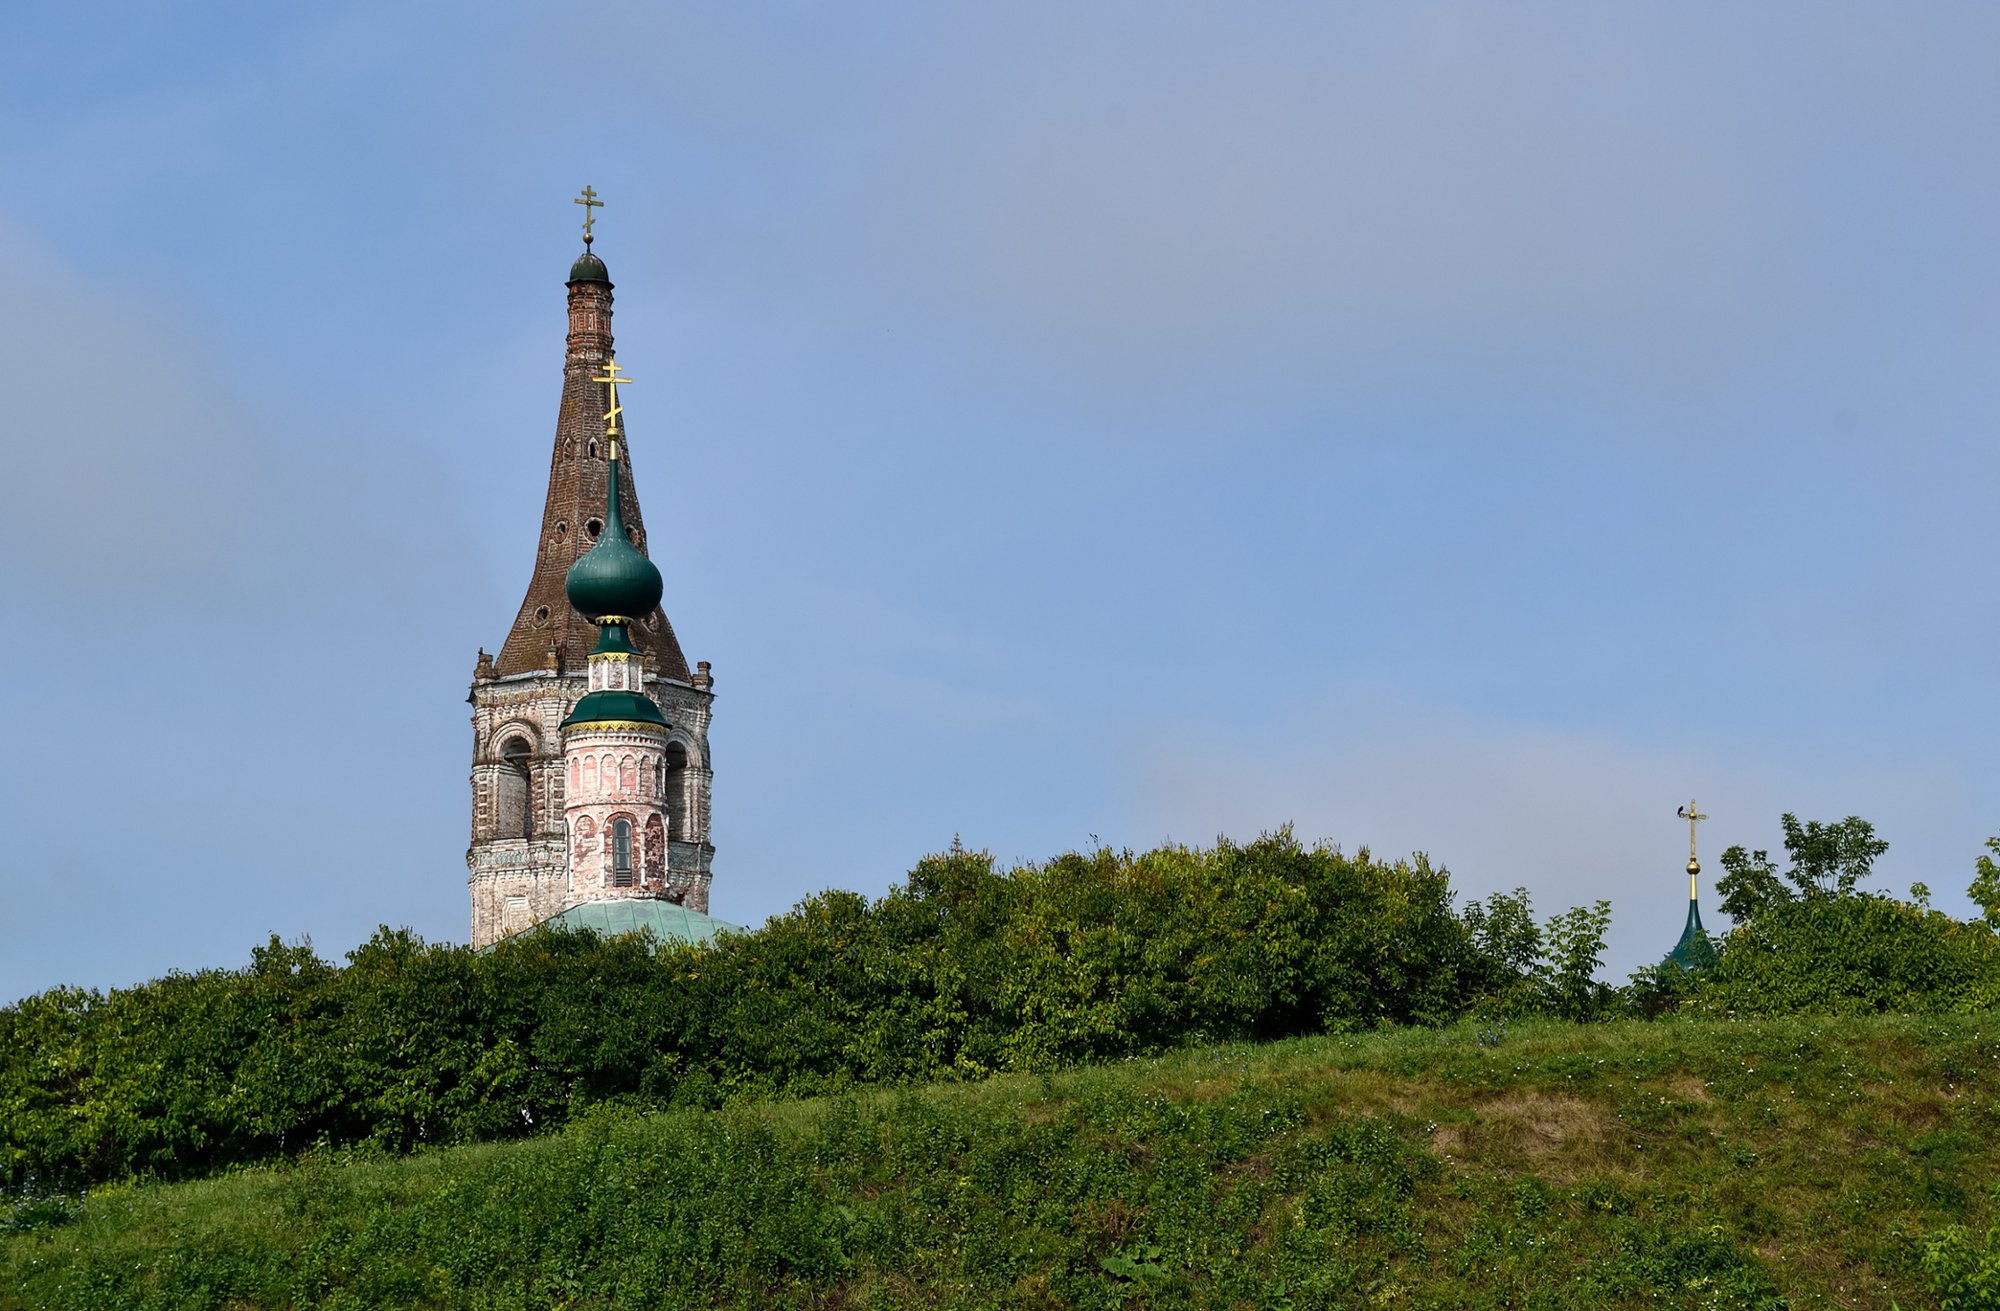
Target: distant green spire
{"type": "Point", "coordinates": [1694, 951]}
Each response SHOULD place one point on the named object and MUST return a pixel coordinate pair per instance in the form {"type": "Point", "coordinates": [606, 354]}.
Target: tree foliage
{"type": "Point", "coordinates": [1828, 860]}
{"type": "Point", "coordinates": [965, 971]}
{"type": "Point", "coordinates": [1749, 883]}
{"type": "Point", "coordinates": [1814, 943]}
{"type": "Point", "coordinates": [1576, 951]}
{"type": "Point", "coordinates": [1859, 954]}
{"type": "Point", "coordinates": [1985, 889]}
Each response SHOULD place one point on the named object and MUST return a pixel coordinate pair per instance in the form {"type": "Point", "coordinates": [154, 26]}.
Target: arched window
{"type": "Point", "coordinates": [621, 853]}
{"type": "Point", "coordinates": [516, 818]}
{"type": "Point", "coordinates": [673, 790]}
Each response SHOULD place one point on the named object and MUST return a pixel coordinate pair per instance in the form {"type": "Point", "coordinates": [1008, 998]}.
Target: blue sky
{"type": "Point", "coordinates": [1462, 428]}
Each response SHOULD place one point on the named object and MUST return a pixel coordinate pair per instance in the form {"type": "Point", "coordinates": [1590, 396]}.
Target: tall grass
{"type": "Point", "coordinates": [1674, 1164]}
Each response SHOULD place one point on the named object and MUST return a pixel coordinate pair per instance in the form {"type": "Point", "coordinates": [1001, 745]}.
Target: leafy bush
{"type": "Point", "coordinates": [1576, 950]}
{"type": "Point", "coordinates": [964, 972]}
{"type": "Point", "coordinates": [1854, 955]}
{"type": "Point", "coordinates": [1964, 1272]}
{"type": "Point", "coordinates": [1821, 947]}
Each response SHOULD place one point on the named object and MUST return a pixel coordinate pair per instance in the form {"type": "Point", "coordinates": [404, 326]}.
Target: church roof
{"type": "Point", "coordinates": [609, 705]}
{"type": "Point", "coordinates": [614, 578]}
{"type": "Point", "coordinates": [618, 916]}
{"type": "Point", "coordinates": [1694, 951]}
{"type": "Point", "coordinates": [579, 476]}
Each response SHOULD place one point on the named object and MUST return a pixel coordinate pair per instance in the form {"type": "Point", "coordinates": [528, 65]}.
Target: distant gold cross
{"type": "Point", "coordinates": [590, 204]}
{"type": "Point", "coordinates": [1693, 817]}
{"type": "Point", "coordinates": [611, 381]}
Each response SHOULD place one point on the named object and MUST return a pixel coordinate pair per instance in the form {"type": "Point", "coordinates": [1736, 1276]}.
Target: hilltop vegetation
{"type": "Point", "coordinates": [966, 972]}
{"type": "Point", "coordinates": [1690, 1163]}
{"type": "Point", "coordinates": [1041, 1087]}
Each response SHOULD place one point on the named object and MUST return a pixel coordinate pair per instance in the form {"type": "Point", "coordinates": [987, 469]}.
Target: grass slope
{"type": "Point", "coordinates": [1675, 1164]}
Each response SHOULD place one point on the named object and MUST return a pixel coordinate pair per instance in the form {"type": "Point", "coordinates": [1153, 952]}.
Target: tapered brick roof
{"type": "Point", "coordinates": [547, 623]}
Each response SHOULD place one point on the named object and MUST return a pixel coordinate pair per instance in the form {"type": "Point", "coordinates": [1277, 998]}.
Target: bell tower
{"type": "Point", "coordinates": [528, 800]}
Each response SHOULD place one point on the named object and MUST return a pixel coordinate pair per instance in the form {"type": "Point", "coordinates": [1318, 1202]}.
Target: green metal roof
{"type": "Point", "coordinates": [614, 705]}
{"type": "Point", "coordinates": [669, 923]}
{"type": "Point", "coordinates": [589, 268]}
{"type": "Point", "coordinates": [1694, 951]}
{"type": "Point", "coordinates": [613, 578]}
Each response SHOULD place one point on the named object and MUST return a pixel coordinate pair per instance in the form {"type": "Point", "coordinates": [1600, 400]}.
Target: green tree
{"type": "Point", "coordinates": [1829, 859]}
{"type": "Point", "coordinates": [1749, 884]}
{"type": "Point", "coordinates": [1855, 955]}
{"type": "Point", "coordinates": [1504, 930]}
{"type": "Point", "coordinates": [1985, 889]}
{"type": "Point", "coordinates": [1575, 951]}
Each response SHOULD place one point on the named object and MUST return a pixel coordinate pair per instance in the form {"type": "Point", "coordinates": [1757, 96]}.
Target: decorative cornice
{"type": "Point", "coordinates": [614, 726]}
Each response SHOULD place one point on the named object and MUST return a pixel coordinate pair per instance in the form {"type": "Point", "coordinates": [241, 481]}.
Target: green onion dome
{"type": "Point", "coordinates": [589, 268]}
{"type": "Point", "coordinates": [625, 707]}
{"type": "Point", "coordinates": [613, 579]}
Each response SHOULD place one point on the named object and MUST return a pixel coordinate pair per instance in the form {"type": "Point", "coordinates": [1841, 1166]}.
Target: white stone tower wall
{"type": "Point", "coordinates": [516, 882]}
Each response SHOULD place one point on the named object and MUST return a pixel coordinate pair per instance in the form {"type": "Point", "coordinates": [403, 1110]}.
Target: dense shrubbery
{"type": "Point", "coordinates": [1809, 942]}
{"type": "Point", "coordinates": [964, 972]}
{"type": "Point", "coordinates": [1855, 955]}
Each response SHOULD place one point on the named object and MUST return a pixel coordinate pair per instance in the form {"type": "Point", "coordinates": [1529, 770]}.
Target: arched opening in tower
{"type": "Point", "coordinates": [517, 816]}
{"type": "Point", "coordinates": [673, 791]}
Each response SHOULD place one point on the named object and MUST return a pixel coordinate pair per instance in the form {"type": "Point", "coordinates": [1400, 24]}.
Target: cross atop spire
{"type": "Point", "coordinates": [1693, 817]}
{"type": "Point", "coordinates": [611, 425]}
{"type": "Point", "coordinates": [590, 204]}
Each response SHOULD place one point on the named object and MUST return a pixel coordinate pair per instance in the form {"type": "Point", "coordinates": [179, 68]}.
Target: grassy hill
{"type": "Point", "coordinates": [1684, 1163]}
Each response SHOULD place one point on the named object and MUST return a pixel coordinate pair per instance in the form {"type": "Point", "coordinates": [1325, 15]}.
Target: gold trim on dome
{"type": "Point", "coordinates": [602, 620]}
{"type": "Point", "coordinates": [619, 726]}
{"type": "Point", "coordinates": [625, 656]}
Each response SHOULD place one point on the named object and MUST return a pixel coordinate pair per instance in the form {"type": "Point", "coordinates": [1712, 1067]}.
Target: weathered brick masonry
{"type": "Point", "coordinates": [524, 861]}
{"type": "Point", "coordinates": [574, 512]}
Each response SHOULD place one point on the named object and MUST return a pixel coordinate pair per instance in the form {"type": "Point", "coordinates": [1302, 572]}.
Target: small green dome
{"type": "Point", "coordinates": [614, 578]}
{"type": "Point", "coordinates": [611, 705]}
{"type": "Point", "coordinates": [589, 268]}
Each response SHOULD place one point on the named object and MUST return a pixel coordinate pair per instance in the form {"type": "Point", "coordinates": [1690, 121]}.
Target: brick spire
{"type": "Point", "coordinates": [548, 627]}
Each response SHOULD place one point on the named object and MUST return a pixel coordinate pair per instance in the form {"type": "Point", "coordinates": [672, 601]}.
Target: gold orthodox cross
{"type": "Point", "coordinates": [1693, 817]}
{"type": "Point", "coordinates": [590, 204]}
{"type": "Point", "coordinates": [611, 380]}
